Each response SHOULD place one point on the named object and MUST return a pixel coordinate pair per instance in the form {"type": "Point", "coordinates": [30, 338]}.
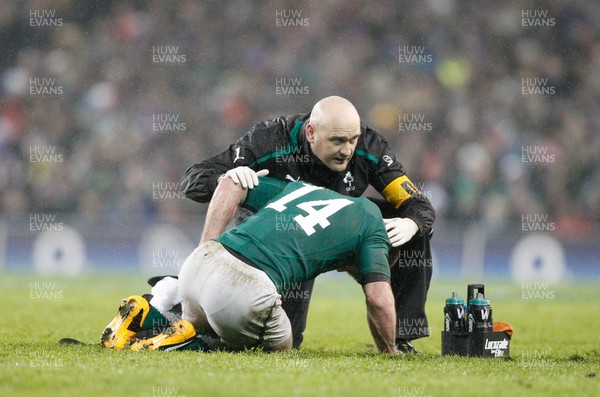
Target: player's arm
{"type": "Point", "coordinates": [374, 272]}
{"type": "Point", "coordinates": [226, 200]}
{"type": "Point", "coordinates": [229, 196]}
{"type": "Point", "coordinates": [381, 315]}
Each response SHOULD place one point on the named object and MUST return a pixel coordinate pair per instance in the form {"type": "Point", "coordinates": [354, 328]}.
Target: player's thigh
{"type": "Point", "coordinates": [278, 331]}
{"type": "Point", "coordinates": [243, 307]}
{"type": "Point", "coordinates": [237, 301]}
{"type": "Point", "coordinates": [194, 273]}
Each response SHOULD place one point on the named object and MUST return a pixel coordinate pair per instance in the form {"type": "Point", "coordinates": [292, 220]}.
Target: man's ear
{"type": "Point", "coordinates": [310, 133]}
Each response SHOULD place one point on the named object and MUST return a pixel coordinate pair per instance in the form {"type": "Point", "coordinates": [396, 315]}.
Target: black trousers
{"type": "Point", "coordinates": [410, 279]}
{"type": "Point", "coordinates": [295, 303]}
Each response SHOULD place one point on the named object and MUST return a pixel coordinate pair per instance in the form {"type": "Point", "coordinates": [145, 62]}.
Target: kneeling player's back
{"type": "Point", "coordinates": [304, 230]}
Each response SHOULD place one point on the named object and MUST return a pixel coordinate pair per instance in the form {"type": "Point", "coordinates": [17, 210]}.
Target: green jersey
{"type": "Point", "coordinates": [300, 231]}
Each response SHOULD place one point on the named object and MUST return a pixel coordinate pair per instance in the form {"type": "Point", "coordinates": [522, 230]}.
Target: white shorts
{"type": "Point", "coordinates": [240, 302]}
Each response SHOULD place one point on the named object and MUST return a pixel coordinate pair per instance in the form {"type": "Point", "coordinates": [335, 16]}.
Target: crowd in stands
{"type": "Point", "coordinates": [492, 107]}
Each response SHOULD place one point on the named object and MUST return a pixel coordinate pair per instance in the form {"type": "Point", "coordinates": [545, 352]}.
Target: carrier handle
{"type": "Point", "coordinates": [472, 289]}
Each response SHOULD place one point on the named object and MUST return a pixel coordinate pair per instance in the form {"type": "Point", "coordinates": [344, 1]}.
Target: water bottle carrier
{"type": "Point", "coordinates": [485, 343]}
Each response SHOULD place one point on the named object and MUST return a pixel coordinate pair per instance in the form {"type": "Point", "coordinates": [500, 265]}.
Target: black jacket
{"type": "Point", "coordinates": [280, 146]}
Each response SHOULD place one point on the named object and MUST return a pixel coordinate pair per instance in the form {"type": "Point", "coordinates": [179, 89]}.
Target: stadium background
{"type": "Point", "coordinates": [492, 107]}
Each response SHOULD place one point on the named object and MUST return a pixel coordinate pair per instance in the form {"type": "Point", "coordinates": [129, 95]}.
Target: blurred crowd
{"type": "Point", "coordinates": [103, 106]}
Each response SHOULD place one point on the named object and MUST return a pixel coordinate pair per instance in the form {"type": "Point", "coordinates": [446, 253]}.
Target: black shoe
{"type": "Point", "coordinates": [406, 347]}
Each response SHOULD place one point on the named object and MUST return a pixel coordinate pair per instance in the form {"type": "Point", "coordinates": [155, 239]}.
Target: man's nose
{"type": "Point", "coordinates": [347, 149]}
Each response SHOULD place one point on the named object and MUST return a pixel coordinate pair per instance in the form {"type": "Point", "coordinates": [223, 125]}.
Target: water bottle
{"type": "Point", "coordinates": [454, 314]}
{"type": "Point", "coordinates": [479, 315]}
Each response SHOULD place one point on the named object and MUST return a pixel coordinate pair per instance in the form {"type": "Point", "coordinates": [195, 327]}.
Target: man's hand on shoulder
{"type": "Point", "coordinates": [400, 230]}
{"type": "Point", "coordinates": [244, 176]}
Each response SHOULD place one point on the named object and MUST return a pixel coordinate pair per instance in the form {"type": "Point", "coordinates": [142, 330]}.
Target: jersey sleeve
{"type": "Point", "coordinates": [373, 252]}
{"type": "Point", "coordinates": [262, 194]}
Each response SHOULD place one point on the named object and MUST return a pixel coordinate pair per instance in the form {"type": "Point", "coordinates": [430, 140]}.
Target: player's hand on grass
{"type": "Point", "coordinates": [245, 176]}
{"type": "Point", "coordinates": [400, 230]}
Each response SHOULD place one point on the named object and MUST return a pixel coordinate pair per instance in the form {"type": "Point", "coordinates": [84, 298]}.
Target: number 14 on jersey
{"type": "Point", "coordinates": [315, 216]}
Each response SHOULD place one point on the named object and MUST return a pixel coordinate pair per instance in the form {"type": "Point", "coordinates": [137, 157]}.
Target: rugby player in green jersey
{"type": "Point", "coordinates": [230, 285]}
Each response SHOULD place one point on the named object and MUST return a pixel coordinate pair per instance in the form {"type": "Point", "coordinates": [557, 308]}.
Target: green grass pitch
{"type": "Point", "coordinates": [555, 350]}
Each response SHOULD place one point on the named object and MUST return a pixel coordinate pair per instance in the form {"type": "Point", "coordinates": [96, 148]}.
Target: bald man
{"type": "Point", "coordinates": [332, 148]}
